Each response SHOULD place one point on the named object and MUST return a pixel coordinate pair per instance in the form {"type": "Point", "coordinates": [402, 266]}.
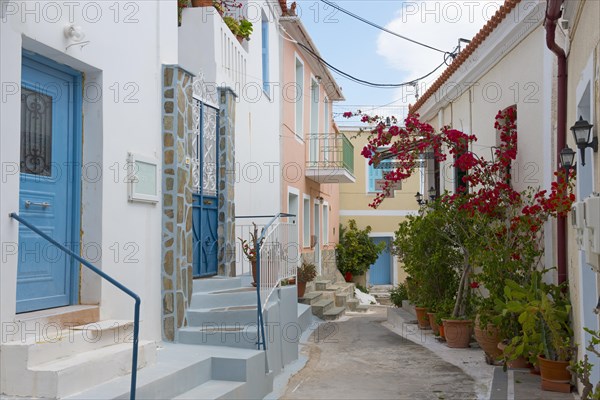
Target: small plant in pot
{"type": "Point", "coordinates": [543, 312]}
{"type": "Point", "coordinates": [249, 249]}
{"type": "Point", "coordinates": [356, 252]}
{"type": "Point", "coordinates": [307, 272]}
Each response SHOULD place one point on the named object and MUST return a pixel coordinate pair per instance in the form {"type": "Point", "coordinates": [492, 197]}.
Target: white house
{"type": "Point", "coordinates": [110, 147]}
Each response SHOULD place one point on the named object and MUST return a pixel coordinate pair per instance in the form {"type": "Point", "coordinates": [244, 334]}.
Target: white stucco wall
{"type": "Point", "coordinates": [129, 42]}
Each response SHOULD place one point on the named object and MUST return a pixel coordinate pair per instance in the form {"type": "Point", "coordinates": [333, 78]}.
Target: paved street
{"type": "Point", "coordinates": [358, 358]}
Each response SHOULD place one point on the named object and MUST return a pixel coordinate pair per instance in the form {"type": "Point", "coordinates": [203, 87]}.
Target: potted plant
{"type": "Point", "coordinates": [249, 249]}
{"type": "Point", "coordinates": [245, 29]}
{"type": "Point", "coordinates": [356, 252]}
{"type": "Point", "coordinates": [202, 3]}
{"type": "Point", "coordinates": [582, 369]}
{"type": "Point", "coordinates": [307, 272]}
{"type": "Point", "coordinates": [232, 24]}
{"type": "Point", "coordinates": [543, 313]}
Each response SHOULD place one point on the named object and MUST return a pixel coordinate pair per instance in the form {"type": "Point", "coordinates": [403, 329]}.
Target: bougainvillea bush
{"type": "Point", "coordinates": [497, 230]}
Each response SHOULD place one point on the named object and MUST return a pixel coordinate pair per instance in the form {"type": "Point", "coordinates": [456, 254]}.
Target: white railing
{"type": "Point", "coordinates": [278, 257]}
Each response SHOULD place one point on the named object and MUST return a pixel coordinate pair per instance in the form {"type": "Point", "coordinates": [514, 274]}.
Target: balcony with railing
{"type": "Point", "coordinates": [209, 48]}
{"type": "Point", "coordinates": [330, 158]}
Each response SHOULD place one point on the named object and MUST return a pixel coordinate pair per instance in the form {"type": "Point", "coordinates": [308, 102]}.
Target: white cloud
{"type": "Point", "coordinates": [437, 23]}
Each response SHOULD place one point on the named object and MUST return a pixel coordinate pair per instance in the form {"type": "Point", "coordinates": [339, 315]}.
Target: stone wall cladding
{"type": "Point", "coordinates": [177, 199]}
{"type": "Point", "coordinates": [226, 208]}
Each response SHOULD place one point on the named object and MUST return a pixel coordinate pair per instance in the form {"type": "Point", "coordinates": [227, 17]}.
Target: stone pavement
{"type": "Point", "coordinates": [358, 358]}
{"type": "Point", "coordinates": [490, 382]}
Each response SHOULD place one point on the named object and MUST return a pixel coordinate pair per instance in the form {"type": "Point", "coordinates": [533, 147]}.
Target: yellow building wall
{"type": "Point", "coordinates": [355, 199]}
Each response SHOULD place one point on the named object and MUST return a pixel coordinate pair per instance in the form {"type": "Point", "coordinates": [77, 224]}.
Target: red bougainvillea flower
{"type": "Point", "coordinates": [474, 285]}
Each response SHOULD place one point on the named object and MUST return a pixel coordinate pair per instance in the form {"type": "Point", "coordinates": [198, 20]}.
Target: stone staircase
{"type": "Point", "coordinates": [57, 359]}
{"type": "Point", "coordinates": [331, 299]}
{"type": "Point", "coordinates": [216, 355]}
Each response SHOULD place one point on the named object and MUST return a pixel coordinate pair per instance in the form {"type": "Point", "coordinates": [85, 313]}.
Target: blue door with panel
{"type": "Point", "coordinates": [380, 272]}
{"type": "Point", "coordinates": [48, 179]}
{"type": "Point", "coordinates": [205, 167]}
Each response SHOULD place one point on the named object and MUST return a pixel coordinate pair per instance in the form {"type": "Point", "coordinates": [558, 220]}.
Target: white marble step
{"type": "Point", "coordinates": [70, 375]}
{"type": "Point", "coordinates": [214, 389]}
{"type": "Point", "coordinates": [48, 343]}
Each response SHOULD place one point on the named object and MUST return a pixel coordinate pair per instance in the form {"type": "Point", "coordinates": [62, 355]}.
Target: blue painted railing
{"type": "Point", "coordinates": [261, 340]}
{"type": "Point", "coordinates": [136, 319]}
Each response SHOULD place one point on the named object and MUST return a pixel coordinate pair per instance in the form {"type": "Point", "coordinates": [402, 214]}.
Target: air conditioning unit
{"type": "Point", "coordinates": [592, 222]}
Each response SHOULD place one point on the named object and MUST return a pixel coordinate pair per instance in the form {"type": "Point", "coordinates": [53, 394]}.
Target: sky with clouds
{"type": "Point", "coordinates": [376, 56]}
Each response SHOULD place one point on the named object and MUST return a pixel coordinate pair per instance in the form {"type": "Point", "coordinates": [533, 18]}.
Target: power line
{"type": "Point", "coordinates": [368, 83]}
{"type": "Point", "coordinates": [358, 17]}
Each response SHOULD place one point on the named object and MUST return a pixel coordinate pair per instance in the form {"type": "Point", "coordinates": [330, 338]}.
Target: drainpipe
{"type": "Point", "coordinates": [553, 13]}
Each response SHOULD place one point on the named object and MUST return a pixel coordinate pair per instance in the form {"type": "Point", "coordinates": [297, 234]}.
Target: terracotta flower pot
{"type": "Point", "coordinates": [554, 371]}
{"type": "Point", "coordinates": [301, 288]}
{"type": "Point", "coordinates": [202, 3]}
{"type": "Point", "coordinates": [422, 317]}
{"type": "Point", "coordinates": [518, 363]}
{"type": "Point", "coordinates": [458, 333]}
{"type": "Point", "coordinates": [432, 322]}
{"type": "Point", "coordinates": [488, 339]}
{"type": "Point", "coordinates": [442, 332]}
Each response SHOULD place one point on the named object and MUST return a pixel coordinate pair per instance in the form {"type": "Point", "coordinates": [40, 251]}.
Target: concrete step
{"type": "Point", "coordinates": [216, 283]}
{"type": "Point", "coordinates": [61, 318]}
{"type": "Point", "coordinates": [334, 313]}
{"type": "Point", "coordinates": [321, 306]}
{"type": "Point", "coordinates": [223, 299]}
{"type": "Point", "coordinates": [222, 316]}
{"type": "Point", "coordinates": [362, 308]}
{"type": "Point", "coordinates": [181, 368]}
{"type": "Point", "coordinates": [73, 374]}
{"type": "Point", "coordinates": [244, 336]}
{"type": "Point", "coordinates": [214, 389]}
{"type": "Point", "coordinates": [305, 316]}
{"type": "Point", "coordinates": [310, 298]}
{"type": "Point", "coordinates": [321, 285]}
{"type": "Point", "coordinates": [341, 300]}
{"type": "Point", "coordinates": [352, 304]}
{"type": "Point", "coordinates": [49, 343]}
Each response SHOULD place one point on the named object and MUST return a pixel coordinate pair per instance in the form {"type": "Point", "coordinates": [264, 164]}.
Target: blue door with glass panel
{"type": "Point", "coordinates": [205, 167]}
{"type": "Point", "coordinates": [380, 272]}
{"type": "Point", "coordinates": [49, 135]}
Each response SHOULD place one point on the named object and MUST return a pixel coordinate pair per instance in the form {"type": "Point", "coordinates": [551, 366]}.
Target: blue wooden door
{"type": "Point", "coordinates": [380, 272]}
{"type": "Point", "coordinates": [205, 165]}
{"type": "Point", "coordinates": [47, 174]}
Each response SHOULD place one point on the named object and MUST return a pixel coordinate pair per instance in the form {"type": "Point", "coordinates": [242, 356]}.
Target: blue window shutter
{"type": "Point", "coordinates": [374, 174]}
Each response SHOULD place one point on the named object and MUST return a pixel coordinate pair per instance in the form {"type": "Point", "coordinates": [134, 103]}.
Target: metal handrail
{"type": "Point", "coordinates": [260, 320]}
{"type": "Point", "coordinates": [136, 319]}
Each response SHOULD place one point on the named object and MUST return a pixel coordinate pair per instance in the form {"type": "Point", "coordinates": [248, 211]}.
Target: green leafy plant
{"type": "Point", "coordinates": [583, 369]}
{"type": "Point", "coordinates": [307, 272]}
{"type": "Point", "coordinates": [399, 294]}
{"type": "Point", "coordinates": [543, 314]}
{"type": "Point", "coordinates": [245, 28]}
{"type": "Point", "coordinates": [356, 251]}
{"type": "Point", "coordinates": [233, 24]}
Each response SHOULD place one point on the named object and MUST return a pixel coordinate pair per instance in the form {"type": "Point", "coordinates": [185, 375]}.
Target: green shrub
{"type": "Point", "coordinates": [356, 252]}
{"type": "Point", "coordinates": [398, 294]}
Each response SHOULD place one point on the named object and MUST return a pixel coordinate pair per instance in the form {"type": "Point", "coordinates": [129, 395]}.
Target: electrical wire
{"type": "Point", "coordinates": [358, 17]}
{"type": "Point", "coordinates": [368, 83]}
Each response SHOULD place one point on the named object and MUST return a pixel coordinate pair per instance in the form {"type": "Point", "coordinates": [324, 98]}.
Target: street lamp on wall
{"type": "Point", "coordinates": [432, 195]}
{"type": "Point", "coordinates": [567, 160]}
{"type": "Point", "coordinates": [582, 132]}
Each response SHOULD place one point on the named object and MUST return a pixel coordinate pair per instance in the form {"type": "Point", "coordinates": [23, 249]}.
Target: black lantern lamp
{"type": "Point", "coordinates": [432, 193]}
{"type": "Point", "coordinates": [567, 160]}
{"type": "Point", "coordinates": [582, 132]}
{"type": "Point", "coordinates": [419, 198]}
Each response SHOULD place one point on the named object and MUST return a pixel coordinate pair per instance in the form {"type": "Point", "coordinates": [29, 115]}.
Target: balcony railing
{"type": "Point", "coordinates": [207, 46]}
{"type": "Point", "coordinates": [330, 158]}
